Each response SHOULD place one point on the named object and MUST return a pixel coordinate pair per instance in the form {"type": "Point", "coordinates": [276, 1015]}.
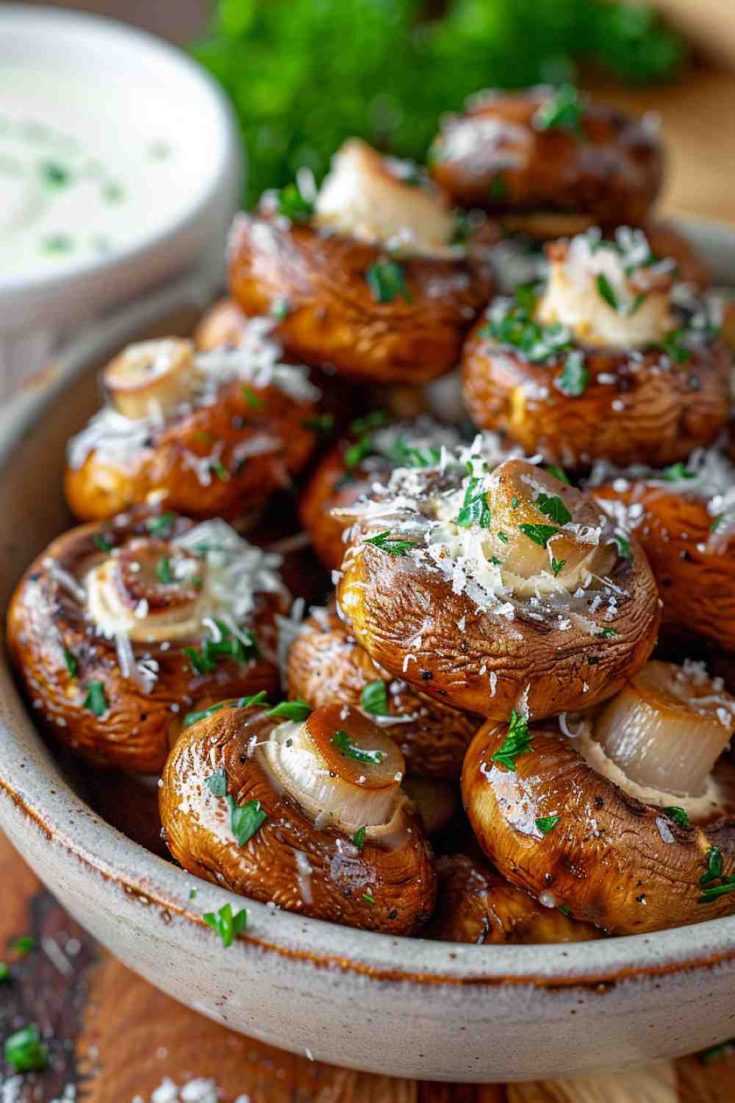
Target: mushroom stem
{"type": "Point", "coordinates": [151, 377]}
{"type": "Point", "coordinates": [668, 727]}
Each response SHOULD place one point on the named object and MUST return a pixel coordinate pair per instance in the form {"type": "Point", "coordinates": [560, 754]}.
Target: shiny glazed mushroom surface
{"type": "Point", "coordinates": [609, 357]}
{"type": "Point", "coordinates": [494, 586]}
{"type": "Point", "coordinates": [120, 628]}
{"type": "Point", "coordinates": [307, 813]}
{"type": "Point", "coordinates": [209, 432]}
{"type": "Point", "coordinates": [363, 276]}
{"type": "Point", "coordinates": [460, 682]}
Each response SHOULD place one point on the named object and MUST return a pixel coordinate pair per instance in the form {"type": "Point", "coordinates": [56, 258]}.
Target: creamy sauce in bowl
{"type": "Point", "coordinates": [88, 168]}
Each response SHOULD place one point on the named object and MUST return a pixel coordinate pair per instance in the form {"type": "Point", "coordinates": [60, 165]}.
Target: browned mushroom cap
{"type": "Point", "coordinates": [213, 434]}
{"type": "Point", "coordinates": [605, 364]}
{"type": "Point", "coordinates": [307, 814]}
{"type": "Point", "coordinates": [118, 630]}
{"type": "Point", "coordinates": [489, 589]}
{"type": "Point", "coordinates": [327, 666]}
{"type": "Point", "coordinates": [560, 817]}
{"type": "Point", "coordinates": [364, 458]}
{"type": "Point", "coordinates": [474, 904]}
{"type": "Point", "coordinates": [682, 517]}
{"type": "Point", "coordinates": [545, 152]}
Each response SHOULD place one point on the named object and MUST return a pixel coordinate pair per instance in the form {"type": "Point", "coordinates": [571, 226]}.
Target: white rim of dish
{"type": "Point", "coordinates": [24, 792]}
{"type": "Point", "coordinates": [44, 17]}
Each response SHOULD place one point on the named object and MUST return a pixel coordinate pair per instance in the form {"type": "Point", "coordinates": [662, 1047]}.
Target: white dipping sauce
{"type": "Point", "coordinates": [85, 172]}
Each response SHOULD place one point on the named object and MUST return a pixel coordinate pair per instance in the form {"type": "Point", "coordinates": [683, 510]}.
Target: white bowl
{"type": "Point", "coordinates": [150, 85]}
{"type": "Point", "coordinates": [399, 1006]}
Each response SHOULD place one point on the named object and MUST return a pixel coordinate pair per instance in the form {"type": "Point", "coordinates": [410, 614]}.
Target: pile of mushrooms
{"type": "Point", "coordinates": [461, 681]}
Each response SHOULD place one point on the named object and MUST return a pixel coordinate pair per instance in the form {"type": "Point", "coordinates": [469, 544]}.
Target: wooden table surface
{"type": "Point", "coordinates": [115, 1039]}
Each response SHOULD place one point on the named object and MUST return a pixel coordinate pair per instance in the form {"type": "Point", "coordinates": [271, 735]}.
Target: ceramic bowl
{"type": "Point", "coordinates": [399, 1006]}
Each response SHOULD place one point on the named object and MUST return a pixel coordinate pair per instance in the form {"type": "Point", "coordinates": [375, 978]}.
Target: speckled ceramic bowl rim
{"type": "Point", "coordinates": [31, 781]}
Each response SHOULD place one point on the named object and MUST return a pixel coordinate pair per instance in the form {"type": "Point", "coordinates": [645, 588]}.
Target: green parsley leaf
{"type": "Point", "coordinates": [345, 746]}
{"type": "Point", "coordinates": [359, 838]}
{"type": "Point", "coordinates": [557, 566]}
{"type": "Point", "coordinates": [716, 522]}
{"type": "Point", "coordinates": [564, 910]}
{"type": "Point", "coordinates": [24, 944]}
{"type": "Point", "coordinates": [518, 741]}
{"type": "Point", "coordinates": [280, 308]}
{"type": "Point", "coordinates": [386, 280]}
{"type": "Point", "coordinates": [574, 377]}
{"type": "Point", "coordinates": [70, 661]}
{"type": "Point", "coordinates": [545, 824]}
{"type": "Point", "coordinates": [218, 468]}
{"type": "Point", "coordinates": [241, 703]}
{"type": "Point", "coordinates": [475, 510]}
{"type": "Point", "coordinates": [407, 456]}
{"type": "Point", "coordinates": [163, 571]}
{"type": "Point", "coordinates": [553, 507]}
{"type": "Point", "coordinates": [374, 698]}
{"type": "Point", "coordinates": [623, 545]}
{"type": "Point", "coordinates": [540, 534]}
{"type": "Point", "coordinates": [217, 783]}
{"type": "Point", "coordinates": [498, 187]}
{"type": "Point", "coordinates": [253, 400]}
{"type": "Point", "coordinates": [320, 423]}
{"type": "Point", "coordinates": [678, 815]}
{"type": "Point", "coordinates": [513, 325]}
{"type": "Point", "coordinates": [675, 349]}
{"type": "Point", "coordinates": [4, 972]}
{"type": "Point", "coordinates": [245, 819]}
{"type": "Point", "coordinates": [296, 710]}
{"type": "Point", "coordinates": [55, 175]}
{"type": "Point", "coordinates": [558, 473]}
{"type": "Point", "coordinates": [390, 544]}
{"type": "Point", "coordinates": [714, 866]}
{"type": "Point", "coordinates": [677, 471]}
{"type": "Point", "coordinates": [637, 303]}
{"type": "Point", "coordinates": [101, 542]}
{"type": "Point", "coordinates": [609, 633]}
{"type": "Point", "coordinates": [226, 923]}
{"type": "Point", "coordinates": [368, 898]}
{"type": "Point", "coordinates": [606, 292]}
{"type": "Point", "coordinates": [25, 1050]}
{"type": "Point", "coordinates": [95, 699]}
{"type": "Point", "coordinates": [714, 892]}
{"type": "Point", "coordinates": [293, 205]}
{"type": "Point", "coordinates": [563, 111]}
{"type": "Point", "coordinates": [241, 648]}
{"type": "Point", "coordinates": [161, 525]}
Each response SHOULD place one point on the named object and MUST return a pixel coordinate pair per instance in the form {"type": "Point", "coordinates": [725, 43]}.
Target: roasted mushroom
{"type": "Point", "coordinates": [211, 433]}
{"type": "Point", "coordinates": [612, 360]}
{"type": "Point", "coordinates": [617, 817]}
{"type": "Point", "coordinates": [363, 276]}
{"type": "Point", "coordinates": [684, 517]}
{"type": "Point", "coordinates": [368, 455]}
{"type": "Point", "coordinates": [302, 810]}
{"type": "Point", "coordinates": [549, 161]}
{"type": "Point", "coordinates": [117, 630]}
{"type": "Point", "coordinates": [489, 589]}
{"type": "Point", "coordinates": [326, 665]}
{"type": "Point", "coordinates": [474, 904]}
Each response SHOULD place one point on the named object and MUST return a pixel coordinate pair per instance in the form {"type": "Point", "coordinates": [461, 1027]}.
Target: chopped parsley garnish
{"type": "Point", "coordinates": [714, 892]}
{"type": "Point", "coordinates": [558, 473]}
{"type": "Point", "coordinates": [540, 534]}
{"type": "Point", "coordinates": [342, 742]}
{"type": "Point", "coordinates": [609, 633]}
{"type": "Point", "coordinates": [95, 700]}
{"type": "Point", "coordinates": [253, 400]}
{"type": "Point", "coordinates": [513, 325]}
{"type": "Point", "coordinates": [622, 543]}
{"type": "Point", "coordinates": [240, 703]}
{"type": "Point", "coordinates": [386, 280]}
{"type": "Point", "coordinates": [4, 972]}
{"type": "Point", "coordinates": [677, 471]}
{"type": "Point", "coordinates": [246, 819]}
{"type": "Point", "coordinates": [714, 866]}
{"type": "Point", "coordinates": [362, 428]}
{"type": "Point", "coordinates": [637, 303]}
{"type": "Point", "coordinates": [553, 506]}
{"type": "Point", "coordinates": [24, 944]}
{"type": "Point", "coordinates": [390, 544]}
{"type": "Point", "coordinates": [218, 468]}
{"type": "Point", "coordinates": [678, 815]}
{"type": "Point", "coordinates": [227, 923]}
{"type": "Point", "coordinates": [673, 346]}
{"type": "Point", "coordinates": [606, 292]}
{"type": "Point", "coordinates": [280, 308]}
{"type": "Point", "coordinates": [564, 910]}
{"type": "Point", "coordinates": [58, 243]}
{"type": "Point", "coordinates": [55, 175]}
{"type": "Point", "coordinates": [498, 187]}
{"type": "Point", "coordinates": [102, 542]}
{"type": "Point", "coordinates": [557, 566]}
{"type": "Point", "coordinates": [563, 111]}
{"type": "Point", "coordinates": [25, 1050]}
{"type": "Point", "coordinates": [320, 423]}
{"type": "Point", "coordinates": [475, 510]}
{"type": "Point", "coordinates": [374, 698]}
{"type": "Point", "coordinates": [296, 710]}
{"type": "Point", "coordinates": [163, 571]}
{"type": "Point", "coordinates": [716, 522]}
{"type": "Point", "coordinates": [545, 824]}
{"type": "Point", "coordinates": [70, 661]}
{"type": "Point", "coordinates": [408, 456]}
{"type": "Point", "coordinates": [241, 648]}
{"type": "Point", "coordinates": [518, 741]}
{"type": "Point", "coordinates": [359, 838]}
{"type": "Point", "coordinates": [368, 898]}
{"type": "Point", "coordinates": [713, 881]}
{"type": "Point", "coordinates": [574, 377]}
{"type": "Point", "coordinates": [161, 525]}
{"type": "Point", "coordinates": [293, 205]}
